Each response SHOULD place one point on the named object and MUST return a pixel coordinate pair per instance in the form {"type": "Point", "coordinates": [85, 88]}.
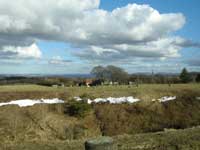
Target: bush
{"type": "Point", "coordinates": [77, 109]}
{"type": "Point", "coordinates": [86, 96]}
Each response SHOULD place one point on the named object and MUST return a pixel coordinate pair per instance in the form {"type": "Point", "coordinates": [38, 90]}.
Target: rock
{"type": "Point", "coordinates": [101, 143]}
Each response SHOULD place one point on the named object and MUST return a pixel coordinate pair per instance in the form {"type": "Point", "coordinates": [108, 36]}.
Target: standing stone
{"type": "Point", "coordinates": [101, 143]}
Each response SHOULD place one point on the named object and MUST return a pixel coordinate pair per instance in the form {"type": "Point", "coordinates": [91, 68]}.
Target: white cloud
{"type": "Point", "coordinates": [130, 31]}
{"type": "Point", "coordinates": [162, 49]}
{"type": "Point", "coordinates": [29, 52]}
{"type": "Point", "coordinates": [58, 60]}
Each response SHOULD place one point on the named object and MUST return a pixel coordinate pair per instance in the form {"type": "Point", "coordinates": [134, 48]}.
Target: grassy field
{"type": "Point", "coordinates": [50, 127]}
{"type": "Point", "coordinates": [187, 139]}
{"type": "Point", "coordinates": [143, 92]}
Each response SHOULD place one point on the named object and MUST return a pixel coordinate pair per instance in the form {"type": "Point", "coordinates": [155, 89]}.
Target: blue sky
{"type": "Point", "coordinates": [163, 36]}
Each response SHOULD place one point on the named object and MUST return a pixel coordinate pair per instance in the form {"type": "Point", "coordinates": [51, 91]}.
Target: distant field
{"type": "Point", "coordinates": [144, 91]}
{"type": "Point", "coordinates": [25, 88]}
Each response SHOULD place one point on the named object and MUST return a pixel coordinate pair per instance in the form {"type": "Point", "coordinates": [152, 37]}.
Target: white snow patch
{"type": "Point", "coordinates": [167, 98]}
{"type": "Point", "coordinates": [89, 101]}
{"type": "Point", "coordinates": [78, 98]}
{"type": "Point", "coordinates": [29, 102]}
{"type": "Point", "coordinates": [111, 100]}
{"type": "Point", "coordinates": [153, 100]}
{"type": "Point", "coordinates": [198, 98]}
{"type": "Point", "coordinates": [100, 100]}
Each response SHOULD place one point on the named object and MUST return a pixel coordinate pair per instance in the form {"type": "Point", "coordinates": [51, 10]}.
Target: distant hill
{"type": "Point", "coordinates": [47, 75]}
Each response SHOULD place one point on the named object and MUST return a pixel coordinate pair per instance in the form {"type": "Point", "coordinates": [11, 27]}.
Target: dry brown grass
{"type": "Point", "coordinates": [151, 117]}
{"type": "Point", "coordinates": [49, 123]}
{"type": "Point", "coordinates": [144, 91]}
{"type": "Point", "coordinates": [43, 123]}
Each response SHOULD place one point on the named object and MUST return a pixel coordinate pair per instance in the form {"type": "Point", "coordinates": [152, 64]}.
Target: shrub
{"type": "Point", "coordinates": [86, 96]}
{"type": "Point", "coordinates": [77, 109]}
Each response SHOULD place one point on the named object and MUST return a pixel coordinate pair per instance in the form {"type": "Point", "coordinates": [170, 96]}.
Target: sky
{"type": "Point", "coordinates": [73, 36]}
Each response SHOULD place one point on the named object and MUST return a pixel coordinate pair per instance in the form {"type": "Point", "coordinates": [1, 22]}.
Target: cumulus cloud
{"type": "Point", "coordinates": [162, 48]}
{"type": "Point", "coordinates": [58, 60]}
{"type": "Point", "coordinates": [130, 31]}
{"type": "Point", "coordinates": [12, 52]}
{"type": "Point", "coordinates": [186, 43]}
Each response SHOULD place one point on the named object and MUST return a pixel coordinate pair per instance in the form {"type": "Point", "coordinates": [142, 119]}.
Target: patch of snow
{"type": "Point", "coordinates": [132, 100]}
{"type": "Point", "coordinates": [111, 100]}
{"type": "Point", "coordinates": [153, 100]}
{"type": "Point", "coordinates": [29, 102]}
{"type": "Point", "coordinates": [52, 101]}
{"type": "Point", "coordinates": [89, 101]}
{"type": "Point", "coordinates": [78, 98]}
{"type": "Point", "coordinates": [198, 98]}
{"type": "Point", "coordinates": [166, 98]}
{"type": "Point", "coordinates": [100, 100]}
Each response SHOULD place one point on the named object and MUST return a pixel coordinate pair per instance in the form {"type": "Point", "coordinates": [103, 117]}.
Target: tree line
{"type": "Point", "coordinates": [106, 74]}
{"type": "Point", "coordinates": [117, 74]}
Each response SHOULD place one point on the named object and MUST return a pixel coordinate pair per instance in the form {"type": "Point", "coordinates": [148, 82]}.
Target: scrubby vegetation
{"type": "Point", "coordinates": [69, 125]}
{"type": "Point", "coordinates": [77, 109]}
{"type": "Point", "coordinates": [187, 139]}
{"type": "Point", "coordinates": [148, 117]}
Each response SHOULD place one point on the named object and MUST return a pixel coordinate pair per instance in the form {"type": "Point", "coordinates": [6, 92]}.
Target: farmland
{"type": "Point", "coordinates": [144, 91]}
